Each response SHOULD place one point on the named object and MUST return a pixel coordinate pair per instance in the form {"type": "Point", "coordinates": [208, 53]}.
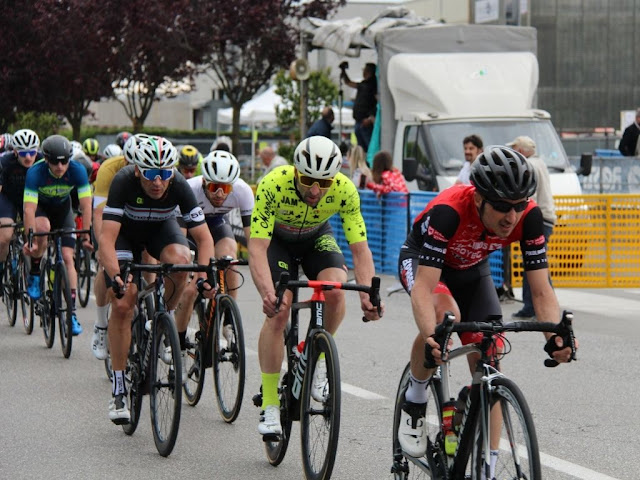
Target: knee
{"type": "Point", "coordinates": [334, 298]}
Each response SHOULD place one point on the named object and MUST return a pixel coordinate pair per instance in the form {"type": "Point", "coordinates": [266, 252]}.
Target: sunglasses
{"type": "Point", "coordinates": [57, 161]}
{"type": "Point", "coordinates": [505, 207]}
{"type": "Point", "coordinates": [152, 173]}
{"type": "Point", "coordinates": [213, 187]}
{"type": "Point", "coordinates": [307, 181]}
{"type": "Point", "coordinates": [27, 153]}
{"type": "Point", "coordinates": [188, 170]}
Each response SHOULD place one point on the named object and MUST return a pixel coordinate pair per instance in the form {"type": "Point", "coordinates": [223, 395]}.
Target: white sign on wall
{"type": "Point", "coordinates": [487, 11]}
{"type": "Point", "coordinates": [627, 117]}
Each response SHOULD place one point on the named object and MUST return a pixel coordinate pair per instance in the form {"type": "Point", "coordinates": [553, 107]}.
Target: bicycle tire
{"type": "Point", "coordinates": [133, 375]}
{"type": "Point", "coordinates": [9, 285]}
{"type": "Point", "coordinates": [195, 358]}
{"type": "Point", "coordinates": [25, 302]}
{"type": "Point", "coordinates": [228, 358]}
{"type": "Point", "coordinates": [320, 421]}
{"type": "Point", "coordinates": [45, 304]}
{"type": "Point", "coordinates": [406, 467]}
{"type": "Point", "coordinates": [83, 267]}
{"type": "Point", "coordinates": [63, 308]}
{"type": "Point", "coordinates": [276, 448]}
{"type": "Point", "coordinates": [519, 456]}
{"type": "Point", "coordinates": [166, 385]}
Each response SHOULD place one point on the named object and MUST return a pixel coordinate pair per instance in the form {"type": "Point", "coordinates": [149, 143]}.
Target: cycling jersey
{"type": "Point", "coordinates": [449, 232]}
{"type": "Point", "coordinates": [41, 187]}
{"type": "Point", "coordinates": [280, 211]}
{"type": "Point", "coordinates": [128, 204]}
{"type": "Point", "coordinates": [107, 171]}
{"type": "Point", "coordinates": [241, 197]}
{"type": "Point", "coordinates": [13, 177]}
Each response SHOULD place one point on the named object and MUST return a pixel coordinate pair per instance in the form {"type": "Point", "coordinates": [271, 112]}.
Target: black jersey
{"type": "Point", "coordinates": [13, 176]}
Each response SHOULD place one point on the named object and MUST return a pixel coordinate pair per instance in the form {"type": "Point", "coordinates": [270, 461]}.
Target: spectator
{"type": "Point", "coordinates": [323, 125]}
{"type": "Point", "coordinates": [472, 148]}
{"type": "Point", "coordinates": [629, 142]}
{"type": "Point", "coordinates": [364, 106]}
{"type": "Point", "coordinates": [270, 161]}
{"type": "Point", "coordinates": [543, 197]}
{"type": "Point", "coordinates": [386, 178]}
{"type": "Point", "coordinates": [359, 171]}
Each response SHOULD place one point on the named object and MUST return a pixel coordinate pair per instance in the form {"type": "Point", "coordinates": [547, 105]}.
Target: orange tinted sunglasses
{"type": "Point", "coordinates": [307, 181]}
{"type": "Point", "coordinates": [213, 187]}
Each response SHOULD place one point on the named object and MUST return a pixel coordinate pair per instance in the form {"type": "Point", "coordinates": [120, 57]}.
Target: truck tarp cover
{"type": "Point", "coordinates": [399, 30]}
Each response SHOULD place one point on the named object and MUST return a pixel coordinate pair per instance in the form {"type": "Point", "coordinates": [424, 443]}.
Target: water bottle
{"type": "Point", "coordinates": [450, 437]}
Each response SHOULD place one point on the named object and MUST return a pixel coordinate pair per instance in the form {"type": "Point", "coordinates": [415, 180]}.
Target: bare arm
{"type": "Point", "coordinates": [364, 270]}
{"type": "Point", "coordinates": [259, 266]}
{"type": "Point", "coordinates": [108, 257]}
{"type": "Point", "coordinates": [202, 236]}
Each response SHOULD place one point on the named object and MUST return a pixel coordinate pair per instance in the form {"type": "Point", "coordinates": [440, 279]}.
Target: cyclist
{"type": "Point", "coordinates": [112, 150]}
{"type": "Point", "coordinates": [6, 142]}
{"type": "Point", "coordinates": [444, 266]}
{"type": "Point", "coordinates": [13, 172]}
{"type": "Point", "coordinates": [91, 148]}
{"type": "Point", "coordinates": [293, 204]}
{"type": "Point", "coordinates": [218, 191]}
{"type": "Point", "coordinates": [190, 163]}
{"type": "Point", "coordinates": [47, 206]}
{"type": "Point", "coordinates": [140, 213]}
{"type": "Point", "coordinates": [122, 138]}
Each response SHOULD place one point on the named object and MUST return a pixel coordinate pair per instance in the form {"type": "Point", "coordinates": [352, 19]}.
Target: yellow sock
{"type": "Point", "coordinates": [270, 389]}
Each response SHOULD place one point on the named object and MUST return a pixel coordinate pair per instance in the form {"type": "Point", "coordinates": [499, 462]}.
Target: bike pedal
{"type": "Point", "coordinates": [121, 421]}
{"type": "Point", "coordinates": [270, 437]}
{"type": "Point", "coordinates": [257, 400]}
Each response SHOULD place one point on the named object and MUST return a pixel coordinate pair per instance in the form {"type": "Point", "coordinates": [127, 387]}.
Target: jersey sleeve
{"type": "Point", "coordinates": [533, 246]}
{"type": "Point", "coordinates": [80, 179]}
{"type": "Point", "coordinates": [192, 213]}
{"type": "Point", "coordinates": [264, 218]}
{"type": "Point", "coordinates": [436, 227]}
{"type": "Point", "coordinates": [31, 185]}
{"type": "Point", "coordinates": [350, 214]}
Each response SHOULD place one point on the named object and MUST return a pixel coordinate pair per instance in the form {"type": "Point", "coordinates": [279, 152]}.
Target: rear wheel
{"type": "Point", "coordinates": [83, 267]}
{"type": "Point", "coordinates": [276, 448]}
{"type": "Point", "coordinates": [26, 304]}
{"type": "Point", "coordinates": [134, 376]}
{"type": "Point", "coordinates": [45, 305]}
{"type": "Point", "coordinates": [228, 357]}
{"type": "Point", "coordinates": [196, 366]}
{"type": "Point", "coordinates": [9, 287]}
{"type": "Point", "coordinates": [63, 308]}
{"type": "Point", "coordinates": [166, 385]}
{"type": "Point", "coordinates": [320, 420]}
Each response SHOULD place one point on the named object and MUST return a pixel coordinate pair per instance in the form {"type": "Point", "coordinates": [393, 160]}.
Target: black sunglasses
{"type": "Point", "coordinates": [505, 207]}
{"type": "Point", "coordinates": [56, 161]}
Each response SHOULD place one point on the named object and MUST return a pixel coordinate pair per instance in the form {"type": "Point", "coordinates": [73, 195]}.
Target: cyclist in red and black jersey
{"type": "Point", "coordinates": [444, 265]}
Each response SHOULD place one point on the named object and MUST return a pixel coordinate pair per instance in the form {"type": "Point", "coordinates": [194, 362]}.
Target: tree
{"type": "Point", "coordinates": [250, 41]}
{"type": "Point", "coordinates": [322, 92]}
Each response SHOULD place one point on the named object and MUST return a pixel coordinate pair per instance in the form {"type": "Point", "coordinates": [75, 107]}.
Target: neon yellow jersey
{"type": "Point", "coordinates": [279, 211]}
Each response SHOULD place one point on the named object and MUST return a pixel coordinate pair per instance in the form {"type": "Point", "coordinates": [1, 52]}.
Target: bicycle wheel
{"type": "Point", "coordinates": [63, 308]}
{"type": "Point", "coordinates": [44, 306]}
{"type": "Point", "coordinates": [166, 385]}
{"type": "Point", "coordinates": [26, 304]}
{"type": "Point", "coordinates": [83, 267]}
{"type": "Point", "coordinates": [320, 421]}
{"type": "Point", "coordinates": [196, 366]}
{"type": "Point", "coordinates": [228, 358]}
{"type": "Point", "coordinates": [9, 286]}
{"type": "Point", "coordinates": [276, 448]}
{"type": "Point", "coordinates": [133, 376]}
{"type": "Point", "coordinates": [518, 455]}
{"type": "Point", "coordinates": [406, 467]}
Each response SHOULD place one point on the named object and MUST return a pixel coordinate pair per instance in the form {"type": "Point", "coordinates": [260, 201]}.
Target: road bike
{"type": "Point", "coordinates": [55, 300]}
{"type": "Point", "coordinates": [14, 281]}
{"type": "Point", "coordinates": [154, 337]}
{"type": "Point", "coordinates": [215, 338]}
{"type": "Point", "coordinates": [319, 420]}
{"type": "Point", "coordinates": [468, 456]}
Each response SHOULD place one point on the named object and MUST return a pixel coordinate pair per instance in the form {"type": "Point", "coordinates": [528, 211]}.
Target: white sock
{"type": "Point", "coordinates": [493, 459]}
{"type": "Point", "coordinates": [103, 316]}
{"type": "Point", "coordinates": [417, 390]}
{"type": "Point", "coordinates": [118, 386]}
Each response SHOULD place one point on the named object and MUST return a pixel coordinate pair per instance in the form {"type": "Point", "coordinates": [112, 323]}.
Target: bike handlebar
{"type": "Point", "coordinates": [563, 329]}
{"type": "Point", "coordinates": [53, 233]}
{"type": "Point", "coordinates": [320, 285]}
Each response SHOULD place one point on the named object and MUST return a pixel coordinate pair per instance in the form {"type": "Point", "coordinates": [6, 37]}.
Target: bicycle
{"type": "Point", "coordinates": [319, 421]}
{"type": "Point", "coordinates": [148, 371]}
{"type": "Point", "coordinates": [519, 456]}
{"type": "Point", "coordinates": [55, 300]}
{"type": "Point", "coordinates": [215, 338]}
{"type": "Point", "coordinates": [84, 268]}
{"type": "Point", "coordinates": [14, 280]}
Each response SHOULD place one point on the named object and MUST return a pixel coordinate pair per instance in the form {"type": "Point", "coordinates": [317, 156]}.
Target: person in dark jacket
{"type": "Point", "coordinates": [323, 125]}
{"type": "Point", "coordinates": [629, 141]}
{"type": "Point", "coordinates": [365, 104]}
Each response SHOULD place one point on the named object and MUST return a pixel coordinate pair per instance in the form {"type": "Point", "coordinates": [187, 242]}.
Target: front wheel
{"type": "Point", "coordinates": [320, 416]}
{"type": "Point", "coordinates": [63, 308]}
{"type": "Point", "coordinates": [134, 375]}
{"type": "Point", "coordinates": [195, 358]}
{"type": "Point", "coordinates": [9, 287]}
{"type": "Point", "coordinates": [45, 304]}
{"type": "Point", "coordinates": [166, 384]}
{"type": "Point", "coordinates": [518, 455]}
{"type": "Point", "coordinates": [228, 358]}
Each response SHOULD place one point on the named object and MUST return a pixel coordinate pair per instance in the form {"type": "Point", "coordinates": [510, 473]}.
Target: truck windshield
{"type": "Point", "coordinates": [446, 139]}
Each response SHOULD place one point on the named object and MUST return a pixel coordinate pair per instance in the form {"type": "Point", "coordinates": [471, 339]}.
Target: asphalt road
{"type": "Point", "coordinates": [54, 421]}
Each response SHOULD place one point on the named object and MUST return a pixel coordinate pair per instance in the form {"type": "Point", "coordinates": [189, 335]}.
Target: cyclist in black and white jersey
{"type": "Point", "coordinates": [139, 214]}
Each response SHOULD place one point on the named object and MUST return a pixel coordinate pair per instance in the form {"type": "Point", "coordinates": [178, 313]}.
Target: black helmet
{"type": "Point", "coordinates": [500, 172]}
{"type": "Point", "coordinates": [121, 138]}
{"type": "Point", "coordinates": [56, 147]}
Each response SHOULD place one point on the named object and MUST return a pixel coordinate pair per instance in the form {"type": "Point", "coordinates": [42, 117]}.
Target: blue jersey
{"type": "Point", "coordinates": [42, 187]}
{"type": "Point", "coordinates": [13, 176]}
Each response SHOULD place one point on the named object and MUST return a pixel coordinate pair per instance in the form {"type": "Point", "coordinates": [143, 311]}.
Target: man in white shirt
{"type": "Point", "coordinates": [472, 145]}
{"type": "Point", "coordinates": [270, 161]}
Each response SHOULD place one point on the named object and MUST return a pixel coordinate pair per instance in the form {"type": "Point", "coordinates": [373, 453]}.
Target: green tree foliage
{"type": "Point", "coordinates": [44, 124]}
{"type": "Point", "coordinates": [322, 92]}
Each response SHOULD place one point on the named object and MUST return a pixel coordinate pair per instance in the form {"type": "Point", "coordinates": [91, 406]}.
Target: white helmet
{"type": "Point", "coordinates": [112, 150]}
{"type": "Point", "coordinates": [25, 139]}
{"type": "Point", "coordinates": [318, 157]}
{"type": "Point", "coordinates": [221, 140]}
{"type": "Point", "coordinates": [131, 145]}
{"type": "Point", "coordinates": [220, 167]}
{"type": "Point", "coordinates": [155, 152]}
{"type": "Point", "coordinates": [76, 148]}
